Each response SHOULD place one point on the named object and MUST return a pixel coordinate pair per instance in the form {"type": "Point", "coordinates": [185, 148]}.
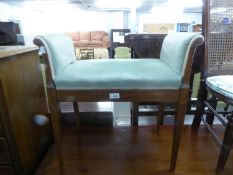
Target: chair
{"type": "Point", "coordinates": [122, 52]}
{"type": "Point", "coordinates": [217, 64]}
{"type": "Point", "coordinates": [136, 80]}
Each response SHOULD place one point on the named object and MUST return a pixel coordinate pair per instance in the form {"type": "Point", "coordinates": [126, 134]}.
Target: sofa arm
{"type": "Point", "coordinates": [106, 41]}
{"type": "Point", "coordinates": [75, 43]}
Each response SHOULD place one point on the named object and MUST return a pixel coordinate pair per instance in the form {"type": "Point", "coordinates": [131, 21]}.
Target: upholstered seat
{"type": "Point", "coordinates": [118, 74]}
{"type": "Point", "coordinates": [222, 84]}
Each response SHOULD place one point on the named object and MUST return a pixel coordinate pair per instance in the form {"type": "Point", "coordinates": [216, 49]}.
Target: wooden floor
{"type": "Point", "coordinates": [136, 151]}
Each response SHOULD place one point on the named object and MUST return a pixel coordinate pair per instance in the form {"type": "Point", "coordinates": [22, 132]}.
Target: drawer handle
{"type": "Point", "coordinates": [41, 120]}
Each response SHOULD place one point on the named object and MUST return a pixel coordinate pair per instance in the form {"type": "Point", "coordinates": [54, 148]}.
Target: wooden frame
{"type": "Point", "coordinates": [177, 96]}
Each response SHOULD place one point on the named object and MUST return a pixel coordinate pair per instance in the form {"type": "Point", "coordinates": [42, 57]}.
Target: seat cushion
{"type": "Point", "coordinates": [83, 42]}
{"type": "Point", "coordinates": [222, 84]}
{"type": "Point", "coordinates": [97, 35]}
{"type": "Point", "coordinates": [85, 35]}
{"type": "Point", "coordinates": [96, 42]}
{"type": "Point", "coordinates": [118, 74]}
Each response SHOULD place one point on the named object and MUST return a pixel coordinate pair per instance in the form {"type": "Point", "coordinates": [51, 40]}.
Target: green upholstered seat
{"type": "Point", "coordinates": [163, 73]}
{"type": "Point", "coordinates": [120, 74]}
{"type": "Point", "coordinates": [223, 84]}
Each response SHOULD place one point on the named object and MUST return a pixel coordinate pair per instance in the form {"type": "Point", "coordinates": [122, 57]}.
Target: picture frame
{"type": "Point", "coordinates": [183, 27]}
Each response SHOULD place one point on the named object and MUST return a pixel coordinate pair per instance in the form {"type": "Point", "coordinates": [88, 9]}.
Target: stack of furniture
{"type": "Point", "coordinates": [25, 131]}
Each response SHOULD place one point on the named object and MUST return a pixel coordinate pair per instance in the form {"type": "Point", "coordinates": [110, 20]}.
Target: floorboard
{"type": "Point", "coordinates": [125, 150]}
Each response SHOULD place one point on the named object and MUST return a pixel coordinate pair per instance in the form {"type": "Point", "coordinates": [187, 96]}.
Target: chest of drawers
{"type": "Point", "coordinates": [23, 143]}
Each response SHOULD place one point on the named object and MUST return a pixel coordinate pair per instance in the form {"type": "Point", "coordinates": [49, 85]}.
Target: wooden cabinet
{"type": "Point", "coordinates": [23, 142]}
{"type": "Point", "coordinates": [145, 45]}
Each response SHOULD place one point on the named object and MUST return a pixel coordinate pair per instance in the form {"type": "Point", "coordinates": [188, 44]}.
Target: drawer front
{"type": "Point", "coordinates": [4, 152]}
{"type": "Point", "coordinates": [6, 170]}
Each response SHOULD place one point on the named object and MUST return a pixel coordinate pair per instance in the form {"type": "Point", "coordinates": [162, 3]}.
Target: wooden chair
{"type": "Point", "coordinates": [137, 80]}
{"type": "Point", "coordinates": [218, 61]}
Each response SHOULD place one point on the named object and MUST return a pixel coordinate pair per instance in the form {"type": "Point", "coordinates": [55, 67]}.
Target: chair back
{"type": "Point", "coordinates": [60, 51]}
{"type": "Point", "coordinates": [122, 52]}
{"type": "Point", "coordinates": [218, 31]}
{"type": "Point", "coordinates": [176, 48]}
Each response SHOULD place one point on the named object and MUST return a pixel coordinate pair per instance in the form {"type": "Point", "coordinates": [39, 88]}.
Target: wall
{"type": "Point", "coordinates": [58, 18]}
{"type": "Point", "coordinates": [191, 18]}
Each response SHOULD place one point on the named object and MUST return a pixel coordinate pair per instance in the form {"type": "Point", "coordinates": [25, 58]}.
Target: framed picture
{"type": "Point", "coordinates": [86, 54]}
{"type": "Point", "coordinates": [183, 27]}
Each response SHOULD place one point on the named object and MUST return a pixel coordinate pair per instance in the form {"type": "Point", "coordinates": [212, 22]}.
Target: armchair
{"type": "Point", "coordinates": [138, 80]}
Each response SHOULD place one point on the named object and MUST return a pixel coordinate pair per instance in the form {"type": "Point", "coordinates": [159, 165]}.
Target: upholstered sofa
{"type": "Point", "coordinates": [90, 39]}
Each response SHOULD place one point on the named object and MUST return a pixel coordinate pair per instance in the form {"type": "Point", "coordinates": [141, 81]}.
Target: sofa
{"type": "Point", "coordinates": [90, 39]}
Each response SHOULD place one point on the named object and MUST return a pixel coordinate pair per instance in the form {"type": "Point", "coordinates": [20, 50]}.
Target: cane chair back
{"type": "Point", "coordinates": [219, 37]}
{"type": "Point", "coordinates": [217, 73]}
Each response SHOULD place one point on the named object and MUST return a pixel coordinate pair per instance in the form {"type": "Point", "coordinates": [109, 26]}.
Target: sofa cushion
{"type": "Point", "coordinates": [96, 42]}
{"type": "Point", "coordinates": [118, 74]}
{"type": "Point", "coordinates": [97, 35]}
{"type": "Point", "coordinates": [83, 43]}
{"type": "Point", "coordinates": [85, 35]}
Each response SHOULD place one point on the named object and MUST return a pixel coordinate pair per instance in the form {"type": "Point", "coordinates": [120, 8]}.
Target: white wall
{"type": "Point", "coordinates": [115, 20]}
{"type": "Point", "coordinates": [59, 18]}
{"type": "Point", "coordinates": [191, 18]}
{"type": "Point", "coordinates": [54, 18]}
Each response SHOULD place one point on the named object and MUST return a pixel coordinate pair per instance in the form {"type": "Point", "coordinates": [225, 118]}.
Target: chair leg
{"type": "Point", "coordinates": [210, 116]}
{"type": "Point", "coordinates": [225, 109]}
{"type": "Point", "coordinates": [76, 111]}
{"type": "Point", "coordinates": [160, 116]}
{"type": "Point", "coordinates": [202, 96]}
{"type": "Point", "coordinates": [134, 114]}
{"type": "Point", "coordinates": [178, 123]}
{"type": "Point", "coordinates": [56, 125]}
{"type": "Point", "coordinates": [227, 145]}
{"type": "Point", "coordinates": [189, 106]}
